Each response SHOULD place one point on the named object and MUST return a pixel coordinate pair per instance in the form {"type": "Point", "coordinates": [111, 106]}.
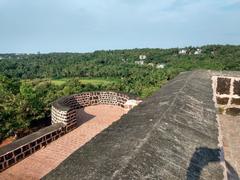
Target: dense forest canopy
{"type": "Point", "coordinates": [27, 88]}
{"type": "Point", "coordinates": [116, 63]}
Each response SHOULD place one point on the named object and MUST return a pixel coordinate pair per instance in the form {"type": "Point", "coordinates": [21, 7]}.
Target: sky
{"type": "Point", "coordinates": [30, 26]}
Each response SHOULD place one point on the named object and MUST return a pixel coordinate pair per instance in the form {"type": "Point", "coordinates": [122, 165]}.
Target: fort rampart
{"type": "Point", "coordinates": [63, 121]}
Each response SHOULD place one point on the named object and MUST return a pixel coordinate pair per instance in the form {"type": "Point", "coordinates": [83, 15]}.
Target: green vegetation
{"type": "Point", "coordinates": [30, 82]}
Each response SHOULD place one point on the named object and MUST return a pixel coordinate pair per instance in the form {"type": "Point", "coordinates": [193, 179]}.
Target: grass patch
{"type": "Point", "coordinates": [59, 82]}
{"type": "Point", "coordinates": [85, 80]}
{"type": "Point", "coordinates": [82, 80]}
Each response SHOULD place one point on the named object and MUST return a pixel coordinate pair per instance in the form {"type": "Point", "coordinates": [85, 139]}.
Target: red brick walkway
{"type": "Point", "coordinates": [230, 126]}
{"type": "Point", "coordinates": [92, 120]}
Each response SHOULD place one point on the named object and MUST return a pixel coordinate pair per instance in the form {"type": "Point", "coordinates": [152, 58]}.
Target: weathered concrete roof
{"type": "Point", "coordinates": [171, 135]}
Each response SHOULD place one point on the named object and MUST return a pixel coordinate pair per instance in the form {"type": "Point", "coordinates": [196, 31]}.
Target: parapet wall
{"type": "Point", "coordinates": [27, 145]}
{"type": "Point", "coordinates": [64, 109]}
{"type": "Point", "coordinates": [227, 94]}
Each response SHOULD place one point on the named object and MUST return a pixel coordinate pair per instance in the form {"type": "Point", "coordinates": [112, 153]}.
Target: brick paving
{"type": "Point", "coordinates": [230, 126]}
{"type": "Point", "coordinates": [92, 120]}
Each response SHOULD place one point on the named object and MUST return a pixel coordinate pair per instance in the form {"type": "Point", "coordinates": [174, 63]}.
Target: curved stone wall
{"type": "Point", "coordinates": [65, 109]}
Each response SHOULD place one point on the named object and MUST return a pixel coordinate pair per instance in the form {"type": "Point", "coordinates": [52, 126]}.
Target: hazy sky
{"type": "Point", "coordinates": [80, 26]}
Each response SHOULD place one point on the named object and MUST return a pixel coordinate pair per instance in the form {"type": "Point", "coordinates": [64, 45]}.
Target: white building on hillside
{"type": "Point", "coordinates": [182, 51]}
{"type": "Point", "coordinates": [142, 57]}
{"type": "Point", "coordinates": [198, 51]}
{"type": "Point", "coordinates": [160, 66]}
{"type": "Point", "coordinates": [139, 62]}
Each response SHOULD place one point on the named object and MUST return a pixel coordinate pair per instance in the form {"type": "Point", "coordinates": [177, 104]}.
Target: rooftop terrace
{"type": "Point", "coordinates": [189, 129]}
{"type": "Point", "coordinates": [174, 134]}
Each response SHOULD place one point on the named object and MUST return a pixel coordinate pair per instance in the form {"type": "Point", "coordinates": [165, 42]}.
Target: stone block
{"type": "Point", "coordinates": [37, 147]}
{"type": "Point", "coordinates": [19, 157]}
{"type": "Point", "coordinates": [236, 101]}
{"type": "Point", "coordinates": [233, 111]}
{"type": "Point", "coordinates": [54, 133]}
{"type": "Point", "coordinates": [56, 137]}
{"type": "Point", "coordinates": [49, 140]}
{"type": "Point", "coordinates": [48, 136]}
{"type": "Point", "coordinates": [17, 151]}
{"type": "Point", "coordinates": [1, 166]}
{"type": "Point", "coordinates": [223, 85]}
{"type": "Point", "coordinates": [26, 147]}
{"type": "Point", "coordinates": [222, 101]}
{"type": "Point", "coordinates": [236, 87]}
{"type": "Point", "coordinates": [11, 162]}
{"type": "Point", "coordinates": [39, 140]}
{"type": "Point", "coordinates": [27, 153]}
{"type": "Point", "coordinates": [1, 159]}
{"type": "Point", "coordinates": [32, 144]}
{"type": "Point", "coordinates": [9, 156]}
{"type": "Point", "coordinates": [44, 143]}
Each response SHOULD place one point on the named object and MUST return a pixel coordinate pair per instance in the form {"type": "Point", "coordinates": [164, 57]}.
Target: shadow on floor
{"type": "Point", "coordinates": [83, 117]}
{"type": "Point", "coordinates": [201, 157]}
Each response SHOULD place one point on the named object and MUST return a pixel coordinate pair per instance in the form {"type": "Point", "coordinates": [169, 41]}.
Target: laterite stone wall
{"type": "Point", "coordinates": [227, 94]}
